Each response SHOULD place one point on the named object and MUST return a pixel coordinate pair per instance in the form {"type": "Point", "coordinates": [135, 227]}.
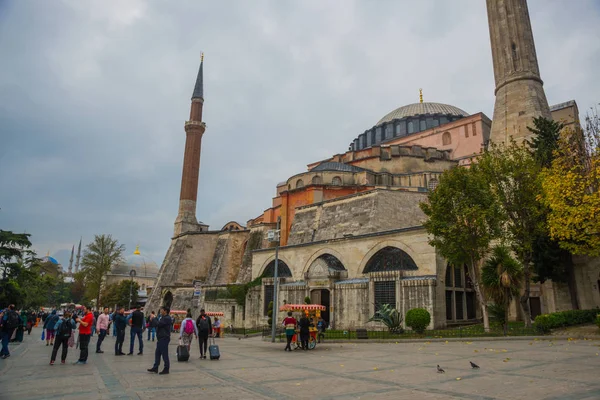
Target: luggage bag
{"type": "Point", "coordinates": [213, 350]}
{"type": "Point", "coordinates": [183, 353]}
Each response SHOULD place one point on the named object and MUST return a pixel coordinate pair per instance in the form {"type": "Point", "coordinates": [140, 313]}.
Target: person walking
{"type": "Point", "coordinates": [85, 333]}
{"type": "Point", "coordinates": [120, 323]}
{"type": "Point", "coordinates": [187, 329]}
{"type": "Point", "coordinates": [163, 336]}
{"type": "Point", "coordinates": [10, 321]}
{"type": "Point", "coordinates": [304, 325]}
{"type": "Point", "coordinates": [102, 326]}
{"type": "Point", "coordinates": [289, 324]}
{"type": "Point", "coordinates": [137, 327]}
{"type": "Point", "coordinates": [204, 331]}
{"type": "Point", "coordinates": [49, 324]}
{"type": "Point", "coordinates": [63, 329]}
{"type": "Point", "coordinates": [152, 324]}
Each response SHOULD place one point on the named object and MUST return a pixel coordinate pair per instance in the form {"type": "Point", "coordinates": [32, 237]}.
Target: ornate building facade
{"type": "Point", "coordinates": [351, 230]}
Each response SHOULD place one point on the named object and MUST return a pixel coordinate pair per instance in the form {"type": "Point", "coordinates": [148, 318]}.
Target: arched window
{"type": "Point", "coordinates": [422, 125]}
{"type": "Point", "coordinates": [432, 184]}
{"type": "Point", "coordinates": [336, 181]}
{"type": "Point", "coordinates": [411, 127]}
{"type": "Point", "coordinates": [390, 259]}
{"type": "Point", "coordinates": [283, 271]}
{"type": "Point", "coordinates": [316, 180]}
{"type": "Point", "coordinates": [446, 138]}
{"type": "Point", "coordinates": [299, 183]}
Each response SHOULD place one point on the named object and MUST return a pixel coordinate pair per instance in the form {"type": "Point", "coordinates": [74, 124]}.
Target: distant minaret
{"type": "Point", "coordinates": [71, 261]}
{"type": "Point", "coordinates": [78, 257]}
{"type": "Point", "coordinates": [519, 93]}
{"type": "Point", "coordinates": [194, 129]}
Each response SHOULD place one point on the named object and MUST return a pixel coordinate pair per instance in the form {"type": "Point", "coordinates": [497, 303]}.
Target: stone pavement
{"type": "Point", "coordinates": [253, 369]}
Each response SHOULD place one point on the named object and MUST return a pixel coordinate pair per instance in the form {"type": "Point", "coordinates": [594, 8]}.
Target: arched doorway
{"type": "Point", "coordinates": [168, 299]}
{"type": "Point", "coordinates": [323, 268]}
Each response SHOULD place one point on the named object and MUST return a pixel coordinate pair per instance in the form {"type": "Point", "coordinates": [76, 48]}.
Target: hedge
{"type": "Point", "coordinates": [546, 322]}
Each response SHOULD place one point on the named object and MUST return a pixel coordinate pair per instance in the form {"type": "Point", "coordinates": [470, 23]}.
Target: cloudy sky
{"type": "Point", "coordinates": [94, 95]}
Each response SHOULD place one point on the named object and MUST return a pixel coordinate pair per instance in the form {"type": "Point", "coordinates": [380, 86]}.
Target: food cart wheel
{"type": "Point", "coordinates": [312, 343]}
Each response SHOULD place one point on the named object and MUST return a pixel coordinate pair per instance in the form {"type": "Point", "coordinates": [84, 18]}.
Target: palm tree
{"type": "Point", "coordinates": [502, 277]}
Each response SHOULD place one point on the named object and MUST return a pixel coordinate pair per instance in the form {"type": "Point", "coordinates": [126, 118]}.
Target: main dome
{"type": "Point", "coordinates": [144, 267]}
{"type": "Point", "coordinates": [416, 109]}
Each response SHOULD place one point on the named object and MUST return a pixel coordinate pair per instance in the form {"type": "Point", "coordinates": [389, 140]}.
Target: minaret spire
{"type": "Point", "coordinates": [194, 129]}
{"type": "Point", "coordinates": [71, 261]}
{"type": "Point", "coordinates": [78, 257]}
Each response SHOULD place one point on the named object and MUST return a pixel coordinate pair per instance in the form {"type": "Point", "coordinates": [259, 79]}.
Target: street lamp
{"type": "Point", "coordinates": [275, 279]}
{"type": "Point", "coordinates": [132, 274]}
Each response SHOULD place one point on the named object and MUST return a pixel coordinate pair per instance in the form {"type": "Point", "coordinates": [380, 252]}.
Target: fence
{"type": "Point", "coordinates": [458, 332]}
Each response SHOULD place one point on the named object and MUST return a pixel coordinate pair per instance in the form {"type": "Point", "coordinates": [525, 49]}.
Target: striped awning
{"type": "Point", "coordinates": [214, 313]}
{"type": "Point", "coordinates": [301, 307]}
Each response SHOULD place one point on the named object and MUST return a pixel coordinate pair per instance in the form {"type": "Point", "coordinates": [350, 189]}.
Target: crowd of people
{"type": "Point", "coordinates": [65, 329]}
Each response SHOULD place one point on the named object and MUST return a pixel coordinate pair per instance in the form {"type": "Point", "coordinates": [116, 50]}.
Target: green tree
{"type": "Point", "coordinates": [78, 287]}
{"type": "Point", "coordinates": [463, 218]}
{"type": "Point", "coordinates": [98, 259]}
{"type": "Point", "coordinates": [118, 294]}
{"type": "Point", "coordinates": [545, 141]}
{"type": "Point", "coordinates": [513, 176]}
{"type": "Point", "coordinates": [502, 277]}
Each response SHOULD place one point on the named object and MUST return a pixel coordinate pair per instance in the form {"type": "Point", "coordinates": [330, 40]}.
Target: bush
{"type": "Point", "coordinates": [418, 319]}
{"type": "Point", "coordinates": [307, 300]}
{"type": "Point", "coordinates": [598, 320]}
{"type": "Point", "coordinates": [390, 317]}
{"type": "Point", "coordinates": [546, 322]}
{"type": "Point", "coordinates": [496, 312]}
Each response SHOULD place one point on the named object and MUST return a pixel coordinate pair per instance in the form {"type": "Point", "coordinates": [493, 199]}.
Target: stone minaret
{"type": "Point", "coordinates": [194, 129]}
{"type": "Point", "coordinates": [519, 93]}
{"type": "Point", "coordinates": [78, 257]}
{"type": "Point", "coordinates": [71, 261]}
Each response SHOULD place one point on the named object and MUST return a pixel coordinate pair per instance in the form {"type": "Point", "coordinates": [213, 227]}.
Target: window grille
{"type": "Point", "coordinates": [385, 293]}
{"type": "Point", "coordinates": [268, 298]}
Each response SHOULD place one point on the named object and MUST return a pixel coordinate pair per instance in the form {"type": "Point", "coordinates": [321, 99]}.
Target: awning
{"type": "Point", "coordinates": [302, 307]}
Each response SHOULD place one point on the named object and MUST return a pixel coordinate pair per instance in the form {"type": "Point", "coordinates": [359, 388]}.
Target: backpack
{"type": "Point", "coordinates": [189, 327]}
{"type": "Point", "coordinates": [154, 322]}
{"type": "Point", "coordinates": [65, 328]}
{"type": "Point", "coordinates": [12, 319]}
{"type": "Point", "coordinates": [203, 325]}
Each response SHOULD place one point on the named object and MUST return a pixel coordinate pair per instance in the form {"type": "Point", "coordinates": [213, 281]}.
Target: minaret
{"type": "Point", "coordinates": [71, 261]}
{"type": "Point", "coordinates": [194, 129]}
{"type": "Point", "coordinates": [78, 257]}
{"type": "Point", "coordinates": [519, 93]}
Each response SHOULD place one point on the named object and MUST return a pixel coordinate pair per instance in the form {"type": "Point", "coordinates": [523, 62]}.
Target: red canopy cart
{"type": "Point", "coordinates": [312, 312]}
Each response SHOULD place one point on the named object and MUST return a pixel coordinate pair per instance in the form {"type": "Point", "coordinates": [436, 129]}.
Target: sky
{"type": "Point", "coordinates": [94, 96]}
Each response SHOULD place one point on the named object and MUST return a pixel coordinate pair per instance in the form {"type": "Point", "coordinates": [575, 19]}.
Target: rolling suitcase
{"type": "Point", "coordinates": [183, 353]}
{"type": "Point", "coordinates": [213, 350]}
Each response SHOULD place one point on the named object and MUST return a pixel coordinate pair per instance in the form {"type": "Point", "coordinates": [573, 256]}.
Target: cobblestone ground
{"type": "Point", "coordinates": [253, 369]}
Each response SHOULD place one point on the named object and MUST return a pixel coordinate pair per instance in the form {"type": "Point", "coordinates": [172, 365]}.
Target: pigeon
{"type": "Point", "coordinates": [440, 370]}
{"type": "Point", "coordinates": [473, 365]}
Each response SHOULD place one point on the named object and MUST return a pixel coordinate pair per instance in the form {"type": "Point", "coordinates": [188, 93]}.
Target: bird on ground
{"type": "Point", "coordinates": [473, 365]}
{"type": "Point", "coordinates": [440, 370]}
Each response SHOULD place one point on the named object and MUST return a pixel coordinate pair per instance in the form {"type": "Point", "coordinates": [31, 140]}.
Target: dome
{"type": "Point", "coordinates": [416, 109]}
{"type": "Point", "coordinates": [144, 267]}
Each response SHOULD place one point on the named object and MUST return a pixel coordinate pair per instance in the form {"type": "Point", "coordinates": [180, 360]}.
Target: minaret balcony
{"type": "Point", "coordinates": [197, 123]}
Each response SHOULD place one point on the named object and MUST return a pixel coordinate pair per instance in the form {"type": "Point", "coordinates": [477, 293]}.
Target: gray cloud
{"type": "Point", "coordinates": [93, 96]}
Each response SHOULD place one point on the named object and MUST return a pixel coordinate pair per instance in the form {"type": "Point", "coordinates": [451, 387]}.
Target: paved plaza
{"type": "Point", "coordinates": [253, 369]}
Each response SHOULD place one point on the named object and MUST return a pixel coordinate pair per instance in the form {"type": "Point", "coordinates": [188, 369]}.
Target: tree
{"type": "Point", "coordinates": [118, 294]}
{"type": "Point", "coordinates": [550, 261]}
{"type": "Point", "coordinates": [502, 277]}
{"type": "Point", "coordinates": [513, 176]}
{"type": "Point", "coordinates": [571, 188]}
{"type": "Point", "coordinates": [98, 259]}
{"type": "Point", "coordinates": [463, 217]}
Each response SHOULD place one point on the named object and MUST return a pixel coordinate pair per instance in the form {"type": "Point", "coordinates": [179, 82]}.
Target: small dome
{"type": "Point", "coordinates": [144, 267]}
{"type": "Point", "coordinates": [416, 109]}
{"type": "Point", "coordinates": [50, 260]}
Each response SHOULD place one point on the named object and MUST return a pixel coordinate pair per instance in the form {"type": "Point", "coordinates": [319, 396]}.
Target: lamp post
{"type": "Point", "coordinates": [275, 285]}
{"type": "Point", "coordinates": [132, 274]}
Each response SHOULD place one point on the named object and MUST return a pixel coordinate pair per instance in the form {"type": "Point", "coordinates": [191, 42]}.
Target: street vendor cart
{"type": "Point", "coordinates": [313, 313]}
{"type": "Point", "coordinates": [217, 331]}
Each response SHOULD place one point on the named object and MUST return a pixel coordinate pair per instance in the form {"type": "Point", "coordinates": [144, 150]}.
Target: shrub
{"type": "Point", "coordinates": [390, 317]}
{"type": "Point", "coordinates": [418, 319]}
{"type": "Point", "coordinates": [307, 300]}
{"type": "Point", "coordinates": [598, 320]}
{"type": "Point", "coordinates": [497, 313]}
{"type": "Point", "coordinates": [270, 313]}
{"type": "Point", "coordinates": [546, 322]}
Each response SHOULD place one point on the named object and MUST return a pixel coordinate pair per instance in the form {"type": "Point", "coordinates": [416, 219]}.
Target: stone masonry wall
{"type": "Point", "coordinates": [374, 211]}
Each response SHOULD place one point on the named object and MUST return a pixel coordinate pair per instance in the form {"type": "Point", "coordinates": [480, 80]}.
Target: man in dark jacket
{"type": "Point", "coordinates": [137, 327]}
{"type": "Point", "coordinates": [9, 322]}
{"type": "Point", "coordinates": [120, 321]}
{"type": "Point", "coordinates": [204, 330]}
{"type": "Point", "coordinates": [304, 325]}
{"type": "Point", "coordinates": [163, 337]}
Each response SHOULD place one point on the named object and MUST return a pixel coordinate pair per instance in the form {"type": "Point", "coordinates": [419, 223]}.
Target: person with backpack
{"type": "Point", "coordinates": [204, 331]}
{"type": "Point", "coordinates": [63, 330]}
{"type": "Point", "coordinates": [10, 322]}
{"type": "Point", "coordinates": [49, 324]}
{"type": "Point", "coordinates": [187, 329]}
{"type": "Point", "coordinates": [152, 324]}
{"type": "Point", "coordinates": [137, 327]}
